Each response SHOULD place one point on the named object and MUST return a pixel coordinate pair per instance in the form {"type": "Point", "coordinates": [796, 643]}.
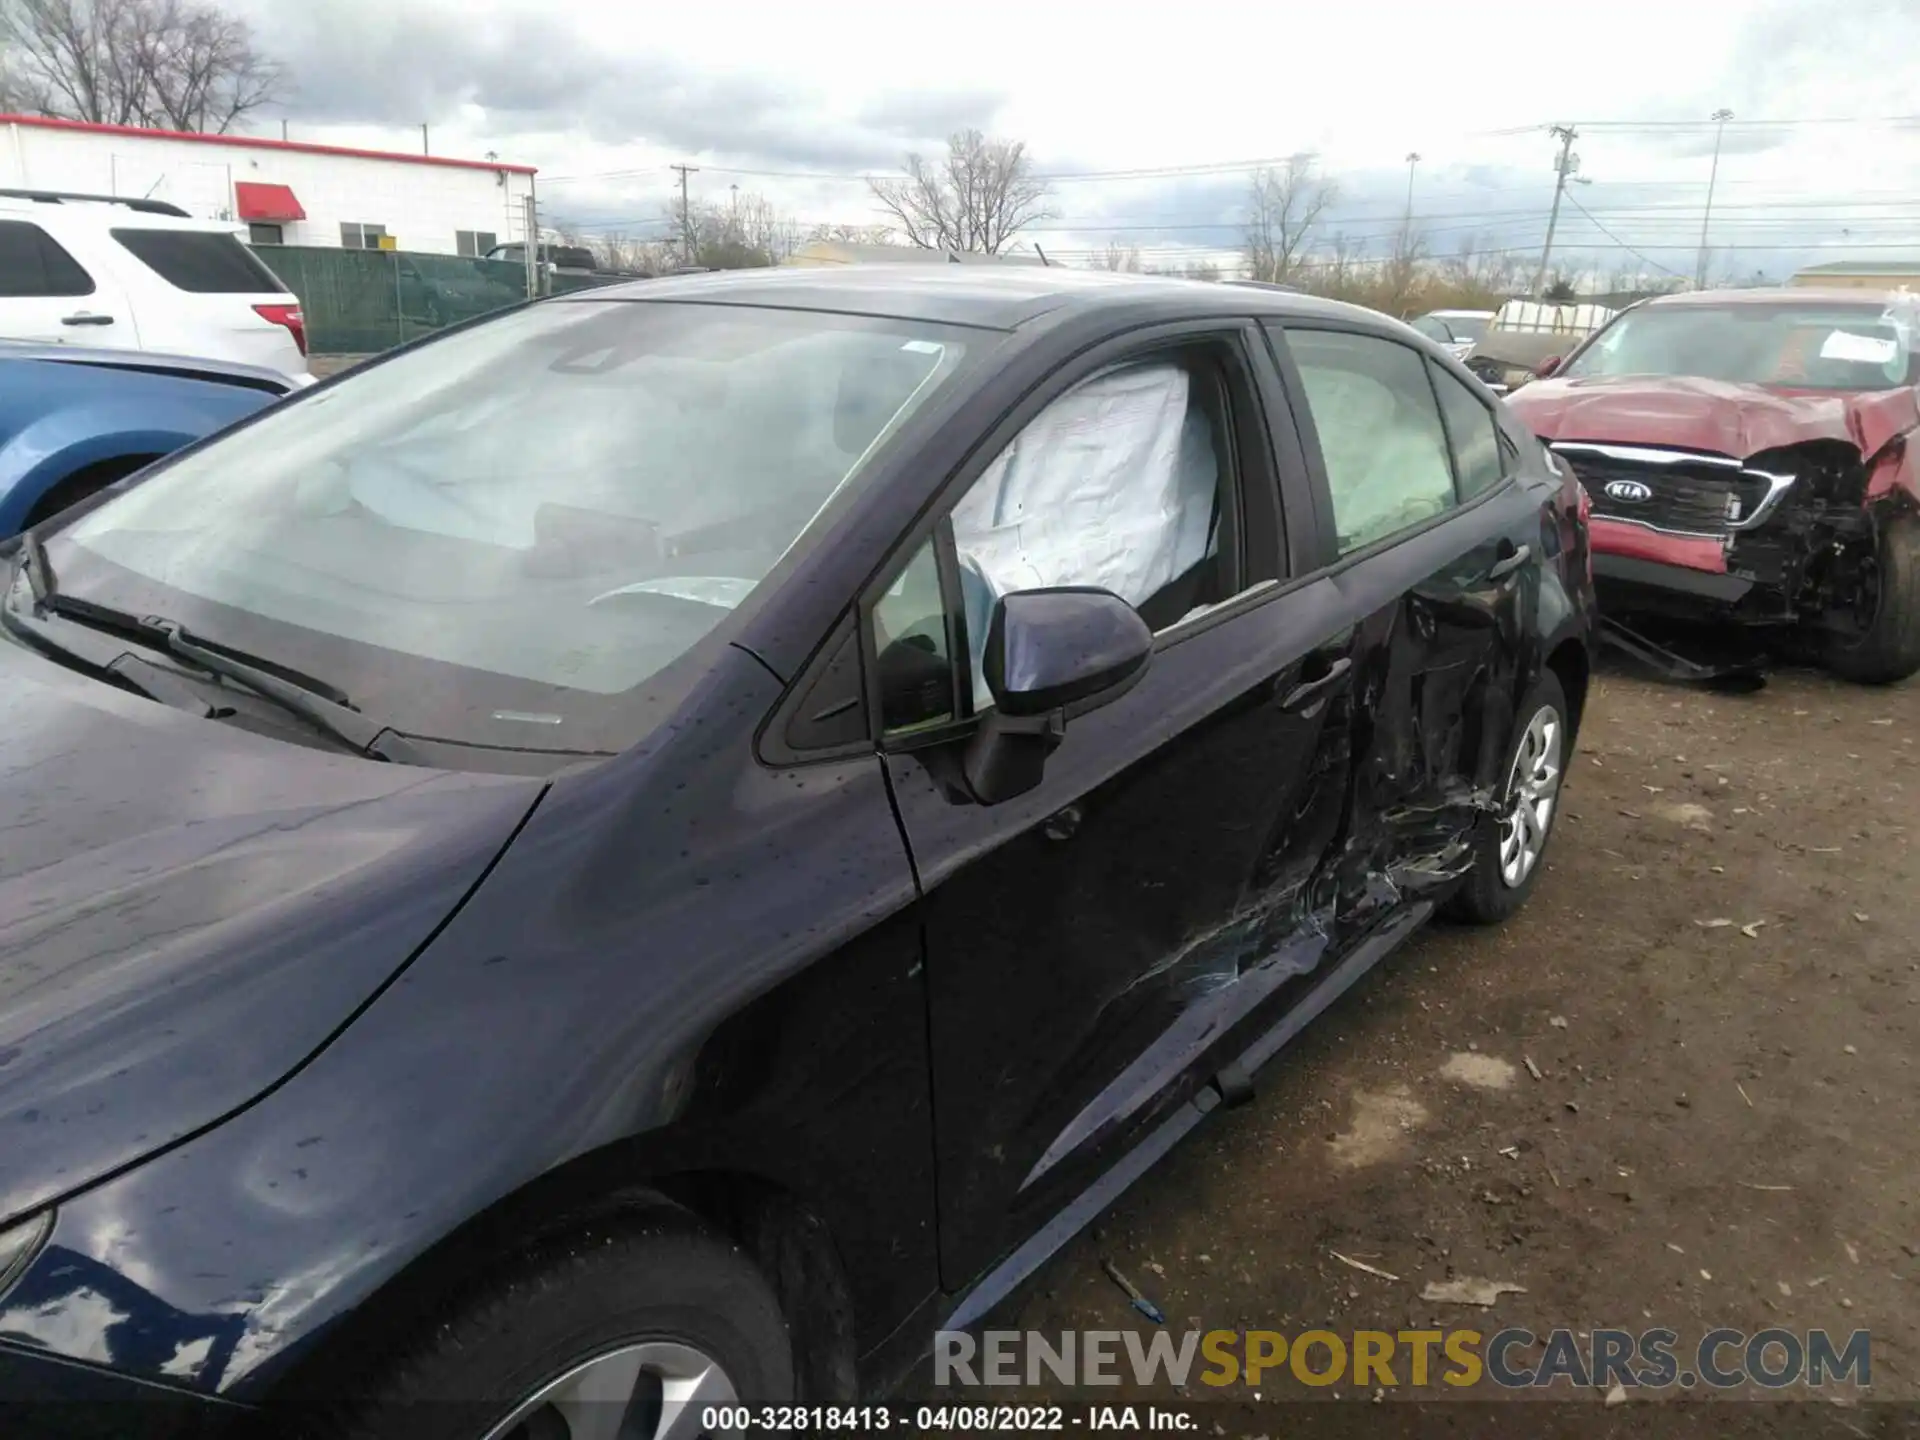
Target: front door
{"type": "Point", "coordinates": [1097, 945]}
{"type": "Point", "coordinates": [1432, 542]}
{"type": "Point", "coordinates": [49, 297]}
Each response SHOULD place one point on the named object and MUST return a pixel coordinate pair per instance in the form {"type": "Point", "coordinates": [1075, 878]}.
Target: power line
{"type": "Point", "coordinates": [1617, 240]}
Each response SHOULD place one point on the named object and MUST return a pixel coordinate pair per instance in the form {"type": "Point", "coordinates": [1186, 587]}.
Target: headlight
{"type": "Point", "coordinates": [18, 1245]}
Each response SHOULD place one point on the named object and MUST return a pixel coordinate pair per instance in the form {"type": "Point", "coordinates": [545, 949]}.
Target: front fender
{"type": "Point", "coordinates": [52, 446]}
{"type": "Point", "coordinates": [685, 961]}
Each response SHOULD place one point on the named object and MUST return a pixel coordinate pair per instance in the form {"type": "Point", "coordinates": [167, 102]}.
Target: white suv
{"type": "Point", "coordinates": [126, 274]}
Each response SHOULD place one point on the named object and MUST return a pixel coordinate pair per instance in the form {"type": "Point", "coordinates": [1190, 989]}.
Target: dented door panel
{"type": "Point", "coordinates": [1093, 945]}
{"type": "Point", "coordinates": [1443, 638]}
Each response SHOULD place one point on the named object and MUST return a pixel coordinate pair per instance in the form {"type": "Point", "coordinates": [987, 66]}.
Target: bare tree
{"type": "Point", "coordinates": [1478, 276]}
{"type": "Point", "coordinates": [174, 64]}
{"type": "Point", "coordinates": [746, 233]}
{"type": "Point", "coordinates": [841, 233]}
{"type": "Point", "coordinates": [1119, 257]}
{"type": "Point", "coordinates": [977, 199]}
{"type": "Point", "coordinates": [1283, 211]}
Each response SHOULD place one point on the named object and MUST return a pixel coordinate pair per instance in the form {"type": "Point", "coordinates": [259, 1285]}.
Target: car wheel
{"type": "Point", "coordinates": [1887, 646]}
{"type": "Point", "coordinates": [621, 1329]}
{"type": "Point", "coordinates": [1510, 846]}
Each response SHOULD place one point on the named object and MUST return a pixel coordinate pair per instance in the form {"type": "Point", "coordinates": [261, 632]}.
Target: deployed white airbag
{"type": "Point", "coordinates": [1112, 485]}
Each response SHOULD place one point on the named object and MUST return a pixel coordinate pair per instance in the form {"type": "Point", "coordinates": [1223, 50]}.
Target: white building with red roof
{"type": "Point", "coordinates": [286, 192]}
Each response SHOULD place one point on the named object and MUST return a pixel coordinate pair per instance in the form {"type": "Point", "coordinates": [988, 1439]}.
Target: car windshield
{"type": "Point", "coordinates": [1810, 347]}
{"type": "Point", "coordinates": [494, 537]}
{"type": "Point", "coordinates": [1466, 328]}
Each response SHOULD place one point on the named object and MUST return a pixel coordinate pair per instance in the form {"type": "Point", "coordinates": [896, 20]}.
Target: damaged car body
{"type": "Point", "coordinates": [659, 847]}
{"type": "Point", "coordinates": [1749, 460]}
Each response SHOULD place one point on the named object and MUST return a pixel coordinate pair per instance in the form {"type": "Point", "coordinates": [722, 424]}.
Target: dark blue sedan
{"type": "Point", "coordinates": [653, 850]}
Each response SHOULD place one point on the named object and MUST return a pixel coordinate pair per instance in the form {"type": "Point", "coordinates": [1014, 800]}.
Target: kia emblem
{"type": "Point", "coordinates": [1630, 492]}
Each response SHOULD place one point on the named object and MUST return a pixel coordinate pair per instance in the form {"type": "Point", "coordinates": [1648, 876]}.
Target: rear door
{"type": "Point", "coordinates": [49, 296]}
{"type": "Point", "coordinates": [1434, 544]}
{"type": "Point", "coordinates": [1096, 946]}
{"type": "Point", "coordinates": [202, 292]}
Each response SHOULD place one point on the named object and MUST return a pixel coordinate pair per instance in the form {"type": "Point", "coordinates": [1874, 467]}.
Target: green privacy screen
{"type": "Point", "coordinates": [359, 302]}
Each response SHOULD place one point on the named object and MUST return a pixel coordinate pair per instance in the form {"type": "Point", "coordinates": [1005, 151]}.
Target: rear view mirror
{"type": "Point", "coordinates": [1546, 367]}
{"type": "Point", "coordinates": [1050, 654]}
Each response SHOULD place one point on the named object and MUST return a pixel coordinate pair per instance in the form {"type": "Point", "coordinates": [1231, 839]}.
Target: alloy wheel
{"type": "Point", "coordinates": [654, 1390]}
{"type": "Point", "coordinates": [1533, 787]}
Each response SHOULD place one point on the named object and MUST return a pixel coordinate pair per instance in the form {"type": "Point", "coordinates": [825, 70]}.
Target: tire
{"type": "Point", "coordinates": [656, 1281]}
{"type": "Point", "coordinates": [1489, 894]}
{"type": "Point", "coordinates": [1889, 648]}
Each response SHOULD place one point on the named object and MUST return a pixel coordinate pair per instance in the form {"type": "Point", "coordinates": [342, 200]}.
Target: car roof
{"type": "Point", "coordinates": [975, 295]}
{"type": "Point", "coordinates": [109, 212]}
{"type": "Point", "coordinates": [1779, 295]}
{"type": "Point", "coordinates": [186, 367]}
{"type": "Point", "coordinates": [1463, 314]}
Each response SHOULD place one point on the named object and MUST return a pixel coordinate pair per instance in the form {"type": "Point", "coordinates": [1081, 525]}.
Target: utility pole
{"type": "Point", "coordinates": [1413, 159]}
{"type": "Point", "coordinates": [530, 224]}
{"type": "Point", "coordinates": [686, 215]}
{"type": "Point", "coordinates": [1720, 118]}
{"type": "Point", "coordinates": [423, 139]}
{"type": "Point", "coordinates": [1562, 169]}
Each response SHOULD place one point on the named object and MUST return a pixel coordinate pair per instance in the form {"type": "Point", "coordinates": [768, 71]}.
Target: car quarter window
{"type": "Point", "coordinates": [1479, 459]}
{"type": "Point", "coordinates": [32, 264]}
{"type": "Point", "coordinates": [1385, 450]}
{"type": "Point", "coordinates": [1125, 482]}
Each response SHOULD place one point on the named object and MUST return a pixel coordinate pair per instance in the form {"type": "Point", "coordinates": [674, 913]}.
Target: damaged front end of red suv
{"type": "Point", "coordinates": [1788, 514]}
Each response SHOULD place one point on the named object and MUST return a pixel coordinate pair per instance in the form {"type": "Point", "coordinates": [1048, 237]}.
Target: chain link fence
{"type": "Point", "coordinates": [360, 302]}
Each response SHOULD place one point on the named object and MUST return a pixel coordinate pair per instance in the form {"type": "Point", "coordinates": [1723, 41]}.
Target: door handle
{"type": "Point", "coordinates": [83, 318]}
{"type": "Point", "coordinates": [1307, 691]}
{"type": "Point", "coordinates": [1507, 564]}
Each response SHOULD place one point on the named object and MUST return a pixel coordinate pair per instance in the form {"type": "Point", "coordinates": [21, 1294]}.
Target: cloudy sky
{"type": "Point", "coordinates": [1151, 119]}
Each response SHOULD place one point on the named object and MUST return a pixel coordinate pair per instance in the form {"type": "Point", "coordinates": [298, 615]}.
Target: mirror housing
{"type": "Point", "coordinates": [1050, 654]}
{"type": "Point", "coordinates": [1546, 367]}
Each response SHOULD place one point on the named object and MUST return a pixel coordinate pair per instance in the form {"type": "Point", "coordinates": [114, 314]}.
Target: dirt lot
{"type": "Point", "coordinates": [1726, 1125]}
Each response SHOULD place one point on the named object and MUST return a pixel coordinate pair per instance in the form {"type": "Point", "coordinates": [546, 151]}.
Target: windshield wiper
{"type": "Point", "coordinates": [324, 707]}
{"type": "Point", "coordinates": [319, 704]}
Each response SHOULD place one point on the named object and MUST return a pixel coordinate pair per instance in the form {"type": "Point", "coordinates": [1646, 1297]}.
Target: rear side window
{"type": "Point", "coordinates": [1477, 457]}
{"type": "Point", "coordinates": [201, 262]}
{"type": "Point", "coordinates": [33, 265]}
{"type": "Point", "coordinates": [1388, 467]}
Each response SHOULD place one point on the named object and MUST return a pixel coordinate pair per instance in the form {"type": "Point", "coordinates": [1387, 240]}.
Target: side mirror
{"type": "Point", "coordinates": [1050, 654]}
{"type": "Point", "coordinates": [1546, 367]}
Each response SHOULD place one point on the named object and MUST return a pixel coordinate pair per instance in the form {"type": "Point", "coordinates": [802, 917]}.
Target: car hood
{"type": "Point", "coordinates": [1688, 413]}
{"type": "Point", "coordinates": [189, 911]}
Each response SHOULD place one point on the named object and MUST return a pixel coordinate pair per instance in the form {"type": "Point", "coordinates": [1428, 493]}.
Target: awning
{"type": "Point", "coordinates": [266, 202]}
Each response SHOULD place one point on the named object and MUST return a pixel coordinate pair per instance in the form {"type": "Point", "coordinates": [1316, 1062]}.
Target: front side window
{"type": "Point", "coordinates": [1811, 346]}
{"type": "Point", "coordinates": [1388, 466]}
{"type": "Point", "coordinates": [913, 656]}
{"type": "Point", "coordinates": [1478, 459]}
{"type": "Point", "coordinates": [1121, 483]}
{"type": "Point", "coordinates": [34, 266]}
{"type": "Point", "coordinates": [526, 519]}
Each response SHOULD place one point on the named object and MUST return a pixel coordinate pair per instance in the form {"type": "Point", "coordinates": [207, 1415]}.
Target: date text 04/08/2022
{"type": "Point", "coordinates": [958, 1419]}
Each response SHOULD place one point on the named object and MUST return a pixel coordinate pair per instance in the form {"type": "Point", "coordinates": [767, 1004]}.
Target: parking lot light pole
{"type": "Point", "coordinates": [1720, 118]}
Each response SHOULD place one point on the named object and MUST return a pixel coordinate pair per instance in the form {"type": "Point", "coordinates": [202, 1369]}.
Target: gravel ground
{"type": "Point", "coordinates": [1722, 1131]}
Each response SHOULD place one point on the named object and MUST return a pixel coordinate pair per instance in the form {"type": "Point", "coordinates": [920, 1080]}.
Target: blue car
{"type": "Point", "coordinates": [639, 859]}
{"type": "Point", "coordinates": [73, 421]}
